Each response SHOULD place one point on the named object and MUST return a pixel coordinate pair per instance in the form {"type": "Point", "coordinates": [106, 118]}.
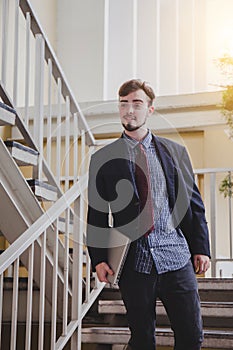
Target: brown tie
{"type": "Point", "coordinates": [142, 179]}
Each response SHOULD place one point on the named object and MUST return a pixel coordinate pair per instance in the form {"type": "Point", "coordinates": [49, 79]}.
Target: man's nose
{"type": "Point", "coordinates": [130, 108]}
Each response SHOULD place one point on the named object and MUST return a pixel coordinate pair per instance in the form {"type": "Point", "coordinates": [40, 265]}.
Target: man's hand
{"type": "Point", "coordinates": [103, 270]}
{"type": "Point", "coordinates": [201, 263]}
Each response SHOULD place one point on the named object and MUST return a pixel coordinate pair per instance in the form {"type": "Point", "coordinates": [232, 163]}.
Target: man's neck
{"type": "Point", "coordinates": [138, 135]}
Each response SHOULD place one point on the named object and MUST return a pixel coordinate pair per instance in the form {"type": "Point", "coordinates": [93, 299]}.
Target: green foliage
{"type": "Point", "coordinates": [227, 107]}
{"type": "Point", "coordinates": [225, 64]}
{"type": "Point", "coordinates": [226, 186]}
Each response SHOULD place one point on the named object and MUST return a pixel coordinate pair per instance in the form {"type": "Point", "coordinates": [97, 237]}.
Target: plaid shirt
{"type": "Point", "coordinates": [165, 247]}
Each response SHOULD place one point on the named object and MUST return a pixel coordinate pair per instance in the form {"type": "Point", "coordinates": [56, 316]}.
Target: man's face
{"type": "Point", "coordinates": [134, 110]}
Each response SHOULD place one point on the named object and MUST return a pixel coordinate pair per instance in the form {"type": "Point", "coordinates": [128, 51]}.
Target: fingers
{"type": "Point", "coordinates": [103, 270]}
{"type": "Point", "coordinates": [201, 263]}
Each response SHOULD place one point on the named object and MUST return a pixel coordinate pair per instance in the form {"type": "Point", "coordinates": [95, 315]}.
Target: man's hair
{"type": "Point", "coordinates": [134, 85]}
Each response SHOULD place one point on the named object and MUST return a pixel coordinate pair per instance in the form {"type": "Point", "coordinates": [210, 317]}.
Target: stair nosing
{"type": "Point", "coordinates": [10, 143]}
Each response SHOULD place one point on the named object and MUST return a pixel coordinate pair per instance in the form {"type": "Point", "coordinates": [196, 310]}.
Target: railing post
{"type": "Point", "coordinates": [66, 272]}
{"type": "Point", "coordinates": [5, 19]}
{"type": "Point", "coordinates": [16, 51]}
{"type": "Point", "coordinates": [230, 215]}
{"type": "Point", "coordinates": [78, 262]}
{"type": "Point", "coordinates": [14, 306]}
{"type": "Point", "coordinates": [42, 291]}
{"type": "Point", "coordinates": [54, 289]}
{"type": "Point", "coordinates": [213, 222]}
{"type": "Point", "coordinates": [67, 144]}
{"type": "Point", "coordinates": [49, 115]}
{"type": "Point", "coordinates": [27, 66]}
{"type": "Point", "coordinates": [58, 130]}
{"type": "Point", "coordinates": [1, 304]}
{"type": "Point", "coordinates": [75, 147]}
{"type": "Point", "coordinates": [29, 298]}
{"type": "Point", "coordinates": [39, 100]}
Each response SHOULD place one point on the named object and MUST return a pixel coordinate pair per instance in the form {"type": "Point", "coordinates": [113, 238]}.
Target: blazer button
{"type": "Point", "coordinates": [136, 203]}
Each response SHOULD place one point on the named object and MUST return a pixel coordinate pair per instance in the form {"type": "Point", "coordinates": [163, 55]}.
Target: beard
{"type": "Point", "coordinates": [130, 127]}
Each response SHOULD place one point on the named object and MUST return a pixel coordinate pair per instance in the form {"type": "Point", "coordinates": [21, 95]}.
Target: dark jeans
{"type": "Point", "coordinates": [179, 294]}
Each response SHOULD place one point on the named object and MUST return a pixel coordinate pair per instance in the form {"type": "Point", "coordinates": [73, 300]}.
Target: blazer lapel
{"type": "Point", "coordinates": [168, 166]}
{"type": "Point", "coordinates": [121, 152]}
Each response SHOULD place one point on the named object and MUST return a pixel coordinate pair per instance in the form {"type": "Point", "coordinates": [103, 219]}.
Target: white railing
{"type": "Point", "coordinates": [43, 92]}
{"type": "Point", "coordinates": [78, 294]}
{"type": "Point", "coordinates": [220, 218]}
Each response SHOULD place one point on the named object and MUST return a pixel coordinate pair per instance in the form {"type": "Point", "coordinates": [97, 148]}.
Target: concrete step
{"type": "Point", "coordinates": [42, 190]}
{"type": "Point", "coordinates": [62, 225]}
{"type": "Point", "coordinates": [216, 339]}
{"type": "Point", "coordinates": [209, 309]}
{"type": "Point", "coordinates": [210, 289]}
{"type": "Point", "coordinates": [7, 115]}
{"type": "Point", "coordinates": [215, 289]}
{"type": "Point", "coordinates": [22, 154]}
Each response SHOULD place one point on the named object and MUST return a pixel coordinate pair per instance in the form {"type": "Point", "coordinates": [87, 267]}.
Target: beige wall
{"type": "Point", "coordinates": [5, 132]}
{"type": "Point", "coordinates": [218, 148]}
{"type": "Point", "coordinates": [46, 12]}
{"type": "Point", "coordinates": [194, 143]}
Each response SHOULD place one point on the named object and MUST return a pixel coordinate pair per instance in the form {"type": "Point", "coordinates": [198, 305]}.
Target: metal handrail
{"type": "Point", "coordinates": [210, 187]}
{"type": "Point", "coordinates": [36, 28]}
{"type": "Point", "coordinates": [25, 244]}
{"type": "Point", "coordinates": [41, 224]}
{"type": "Point", "coordinates": [50, 86]}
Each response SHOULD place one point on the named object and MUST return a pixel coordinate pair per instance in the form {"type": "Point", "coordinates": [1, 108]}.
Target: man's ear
{"type": "Point", "coordinates": [151, 110]}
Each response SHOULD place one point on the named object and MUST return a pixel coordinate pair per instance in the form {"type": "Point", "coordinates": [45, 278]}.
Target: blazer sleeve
{"type": "Point", "coordinates": [97, 216]}
{"type": "Point", "coordinates": [194, 224]}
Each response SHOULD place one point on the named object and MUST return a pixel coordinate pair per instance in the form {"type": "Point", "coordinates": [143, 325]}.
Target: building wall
{"type": "Point", "coordinates": [80, 40]}
{"type": "Point", "coordinates": [171, 43]}
{"type": "Point", "coordinates": [46, 12]}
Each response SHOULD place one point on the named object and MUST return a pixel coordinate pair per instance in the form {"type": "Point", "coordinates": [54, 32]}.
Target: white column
{"type": "Point", "coordinates": [120, 44]}
{"type": "Point", "coordinates": [167, 49]}
{"type": "Point", "coordinates": [80, 46]}
{"type": "Point", "coordinates": [201, 67]}
{"type": "Point", "coordinates": [148, 41]}
{"type": "Point", "coordinates": [186, 46]}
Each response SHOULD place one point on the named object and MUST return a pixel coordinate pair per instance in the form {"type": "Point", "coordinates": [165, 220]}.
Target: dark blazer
{"type": "Point", "coordinates": [111, 190]}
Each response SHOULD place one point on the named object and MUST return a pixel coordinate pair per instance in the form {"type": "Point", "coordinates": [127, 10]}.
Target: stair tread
{"type": "Point", "coordinates": [213, 338]}
{"type": "Point", "coordinates": [215, 283]}
{"type": "Point", "coordinates": [7, 108]}
{"type": "Point", "coordinates": [204, 284]}
{"type": "Point", "coordinates": [214, 310]}
{"type": "Point", "coordinates": [168, 330]}
{"type": "Point", "coordinates": [22, 154]}
{"type": "Point", "coordinates": [11, 143]}
{"type": "Point", "coordinates": [7, 115]}
{"type": "Point", "coordinates": [117, 330]}
{"type": "Point", "coordinates": [204, 303]}
{"type": "Point", "coordinates": [42, 190]}
{"type": "Point", "coordinates": [36, 182]}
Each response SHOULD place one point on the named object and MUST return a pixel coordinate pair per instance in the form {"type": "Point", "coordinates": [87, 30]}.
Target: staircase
{"type": "Point", "coordinates": [45, 244]}
{"type": "Point", "coordinates": [106, 324]}
{"type": "Point", "coordinates": [48, 294]}
{"type": "Point", "coordinates": [46, 284]}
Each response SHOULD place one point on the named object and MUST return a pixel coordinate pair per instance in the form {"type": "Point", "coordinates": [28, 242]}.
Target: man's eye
{"type": "Point", "coordinates": [123, 104]}
{"type": "Point", "coordinates": [138, 105]}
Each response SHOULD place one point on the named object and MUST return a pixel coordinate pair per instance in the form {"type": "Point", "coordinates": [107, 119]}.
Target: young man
{"type": "Point", "coordinates": [146, 183]}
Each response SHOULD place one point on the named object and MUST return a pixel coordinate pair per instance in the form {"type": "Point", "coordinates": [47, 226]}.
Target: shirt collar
{"type": "Point", "coordinates": [133, 143]}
